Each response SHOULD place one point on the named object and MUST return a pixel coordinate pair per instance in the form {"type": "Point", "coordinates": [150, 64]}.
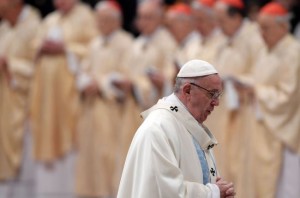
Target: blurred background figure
{"type": "Point", "coordinates": [291, 159]}
{"type": "Point", "coordinates": [235, 57]}
{"type": "Point", "coordinates": [150, 55]}
{"type": "Point", "coordinates": [149, 70]}
{"type": "Point", "coordinates": [99, 131]}
{"type": "Point", "coordinates": [207, 26]}
{"type": "Point", "coordinates": [61, 43]}
{"type": "Point", "coordinates": [18, 29]}
{"type": "Point", "coordinates": [273, 88]}
{"type": "Point", "coordinates": [180, 23]}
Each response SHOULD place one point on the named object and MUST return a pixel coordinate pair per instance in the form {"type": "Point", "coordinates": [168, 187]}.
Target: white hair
{"type": "Point", "coordinates": [180, 81]}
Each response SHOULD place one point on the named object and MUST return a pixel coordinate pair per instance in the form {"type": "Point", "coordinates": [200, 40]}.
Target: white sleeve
{"type": "Point", "coordinates": [215, 191]}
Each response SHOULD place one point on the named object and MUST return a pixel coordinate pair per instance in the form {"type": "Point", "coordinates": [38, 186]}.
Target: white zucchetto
{"type": "Point", "coordinates": [196, 68]}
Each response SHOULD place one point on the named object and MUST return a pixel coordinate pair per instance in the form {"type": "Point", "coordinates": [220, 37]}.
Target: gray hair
{"type": "Point", "coordinates": [181, 81]}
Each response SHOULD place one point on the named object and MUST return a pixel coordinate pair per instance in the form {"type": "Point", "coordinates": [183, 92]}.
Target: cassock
{"type": "Point", "coordinates": [54, 98]}
{"type": "Point", "coordinates": [273, 119]}
{"type": "Point", "coordinates": [99, 130]}
{"type": "Point", "coordinates": [162, 160]}
{"type": "Point", "coordinates": [16, 47]}
{"type": "Point", "coordinates": [235, 57]}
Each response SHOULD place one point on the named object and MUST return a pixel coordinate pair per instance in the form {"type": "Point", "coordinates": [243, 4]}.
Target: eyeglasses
{"type": "Point", "coordinates": [214, 95]}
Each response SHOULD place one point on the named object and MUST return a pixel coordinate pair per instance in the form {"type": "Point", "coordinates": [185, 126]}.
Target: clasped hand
{"type": "Point", "coordinates": [226, 188]}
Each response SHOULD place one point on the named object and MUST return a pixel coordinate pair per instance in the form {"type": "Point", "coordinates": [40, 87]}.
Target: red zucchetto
{"type": "Point", "coordinates": [273, 9]}
{"type": "Point", "coordinates": [234, 3]}
{"type": "Point", "coordinates": [180, 8]}
{"type": "Point", "coordinates": [207, 3]}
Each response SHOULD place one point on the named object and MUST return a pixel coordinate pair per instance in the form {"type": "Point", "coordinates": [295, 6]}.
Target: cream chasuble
{"type": "Point", "coordinates": [54, 99]}
{"type": "Point", "coordinates": [235, 57]}
{"type": "Point", "coordinates": [273, 121]}
{"type": "Point", "coordinates": [16, 47]}
{"type": "Point", "coordinates": [99, 129]}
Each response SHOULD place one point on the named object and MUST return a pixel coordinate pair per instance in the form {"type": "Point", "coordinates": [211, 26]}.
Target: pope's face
{"type": "Point", "coordinates": [199, 102]}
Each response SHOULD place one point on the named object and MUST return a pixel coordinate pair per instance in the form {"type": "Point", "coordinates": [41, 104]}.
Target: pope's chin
{"type": "Point", "coordinates": [207, 113]}
{"type": "Point", "coordinates": [203, 118]}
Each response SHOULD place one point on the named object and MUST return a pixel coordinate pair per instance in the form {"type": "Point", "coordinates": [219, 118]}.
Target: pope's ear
{"type": "Point", "coordinates": [186, 89]}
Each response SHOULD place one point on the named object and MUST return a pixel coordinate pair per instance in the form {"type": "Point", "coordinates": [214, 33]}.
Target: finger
{"type": "Point", "coordinates": [230, 192]}
{"type": "Point", "coordinates": [221, 182]}
{"type": "Point", "coordinates": [229, 185]}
